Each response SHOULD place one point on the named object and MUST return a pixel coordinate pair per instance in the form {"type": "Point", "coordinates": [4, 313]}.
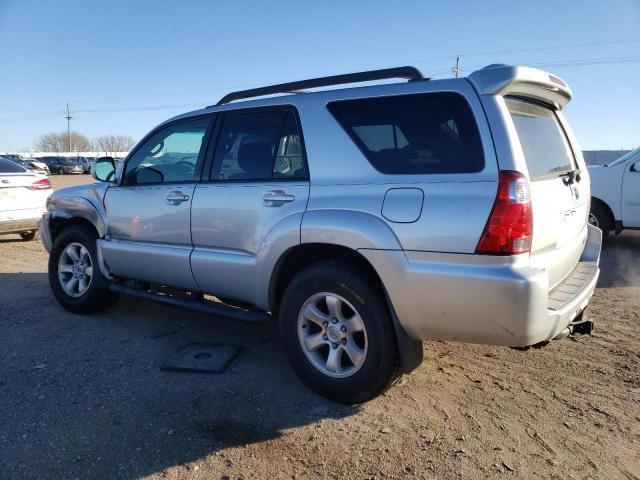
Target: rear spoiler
{"type": "Point", "coordinates": [522, 81]}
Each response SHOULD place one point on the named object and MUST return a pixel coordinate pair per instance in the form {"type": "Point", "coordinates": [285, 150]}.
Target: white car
{"type": "Point", "coordinates": [23, 199]}
{"type": "Point", "coordinates": [615, 194]}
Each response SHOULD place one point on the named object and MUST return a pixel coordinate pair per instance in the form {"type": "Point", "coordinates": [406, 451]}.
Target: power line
{"type": "Point", "coordinates": [563, 63]}
{"type": "Point", "coordinates": [444, 57]}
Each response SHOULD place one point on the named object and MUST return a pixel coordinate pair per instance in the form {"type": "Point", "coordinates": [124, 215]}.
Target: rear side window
{"type": "Point", "coordinates": [7, 166]}
{"type": "Point", "coordinates": [544, 144]}
{"type": "Point", "coordinates": [259, 145]}
{"type": "Point", "coordinates": [414, 134]}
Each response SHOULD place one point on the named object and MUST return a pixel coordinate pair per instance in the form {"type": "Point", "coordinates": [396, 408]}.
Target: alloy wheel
{"type": "Point", "coordinates": [75, 269]}
{"type": "Point", "coordinates": [332, 335]}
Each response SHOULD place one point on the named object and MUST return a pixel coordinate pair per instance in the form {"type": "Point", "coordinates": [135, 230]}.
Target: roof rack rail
{"type": "Point", "coordinates": [409, 73]}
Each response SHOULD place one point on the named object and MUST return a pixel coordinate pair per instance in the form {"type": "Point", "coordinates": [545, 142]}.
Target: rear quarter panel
{"type": "Point", "coordinates": [455, 206]}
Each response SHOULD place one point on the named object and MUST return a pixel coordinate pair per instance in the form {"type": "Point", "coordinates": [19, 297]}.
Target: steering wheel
{"type": "Point", "coordinates": [185, 166]}
{"type": "Point", "coordinates": [157, 149]}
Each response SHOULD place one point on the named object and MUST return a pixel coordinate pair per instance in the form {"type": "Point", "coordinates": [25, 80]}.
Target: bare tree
{"type": "Point", "coordinates": [114, 143]}
{"type": "Point", "coordinates": [50, 142]}
{"type": "Point", "coordinates": [57, 142]}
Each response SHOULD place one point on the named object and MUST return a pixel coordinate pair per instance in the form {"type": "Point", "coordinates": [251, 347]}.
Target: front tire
{"type": "Point", "coordinates": [74, 275]}
{"type": "Point", "coordinates": [28, 236]}
{"type": "Point", "coordinates": [599, 217]}
{"type": "Point", "coordinates": [61, 171]}
{"type": "Point", "coordinates": [338, 333]}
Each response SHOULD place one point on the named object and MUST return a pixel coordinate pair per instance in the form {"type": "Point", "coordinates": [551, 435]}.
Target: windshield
{"type": "Point", "coordinates": [624, 158]}
{"type": "Point", "coordinates": [544, 144]}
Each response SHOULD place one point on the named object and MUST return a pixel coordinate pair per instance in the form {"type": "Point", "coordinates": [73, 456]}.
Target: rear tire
{"type": "Point", "coordinates": [600, 217]}
{"type": "Point", "coordinates": [28, 236]}
{"type": "Point", "coordinates": [74, 275]}
{"type": "Point", "coordinates": [338, 333]}
{"type": "Point", "coordinates": [61, 171]}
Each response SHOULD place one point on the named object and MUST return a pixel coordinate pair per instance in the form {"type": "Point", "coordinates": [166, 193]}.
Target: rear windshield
{"type": "Point", "coordinates": [414, 134]}
{"type": "Point", "coordinates": [543, 141]}
{"type": "Point", "coordinates": [7, 166]}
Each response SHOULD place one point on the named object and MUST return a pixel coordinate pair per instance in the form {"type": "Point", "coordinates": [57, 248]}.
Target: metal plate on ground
{"type": "Point", "coordinates": [201, 358]}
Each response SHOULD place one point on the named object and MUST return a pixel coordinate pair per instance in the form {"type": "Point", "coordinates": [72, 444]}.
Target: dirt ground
{"type": "Point", "coordinates": [84, 396]}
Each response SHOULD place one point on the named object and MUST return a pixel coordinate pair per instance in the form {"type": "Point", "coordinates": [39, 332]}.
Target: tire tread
{"type": "Point", "coordinates": [353, 279]}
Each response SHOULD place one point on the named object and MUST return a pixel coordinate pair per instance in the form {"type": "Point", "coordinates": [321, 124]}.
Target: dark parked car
{"type": "Point", "coordinates": [32, 165]}
{"type": "Point", "coordinates": [63, 165]}
{"type": "Point", "coordinates": [86, 164]}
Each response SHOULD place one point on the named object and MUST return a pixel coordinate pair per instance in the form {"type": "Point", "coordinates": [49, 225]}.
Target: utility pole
{"type": "Point", "coordinates": [69, 117]}
{"type": "Point", "coordinates": [457, 70]}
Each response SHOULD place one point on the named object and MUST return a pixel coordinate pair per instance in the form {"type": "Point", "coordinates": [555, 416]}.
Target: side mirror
{"type": "Point", "coordinates": [104, 169]}
{"type": "Point", "coordinates": [636, 166]}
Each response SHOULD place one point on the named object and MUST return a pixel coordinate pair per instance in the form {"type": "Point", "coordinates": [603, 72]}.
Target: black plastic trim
{"type": "Point", "coordinates": [201, 306]}
{"type": "Point", "coordinates": [410, 349]}
{"type": "Point", "coordinates": [407, 72]}
{"type": "Point", "coordinates": [618, 227]}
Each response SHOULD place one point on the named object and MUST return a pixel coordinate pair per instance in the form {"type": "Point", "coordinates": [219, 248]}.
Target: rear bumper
{"type": "Point", "coordinates": [18, 226]}
{"type": "Point", "coordinates": [481, 299]}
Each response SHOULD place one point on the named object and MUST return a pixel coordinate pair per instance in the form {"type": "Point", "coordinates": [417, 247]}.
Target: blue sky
{"type": "Point", "coordinates": [125, 66]}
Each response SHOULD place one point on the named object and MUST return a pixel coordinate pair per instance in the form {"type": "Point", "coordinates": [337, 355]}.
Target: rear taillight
{"type": "Point", "coordinates": [43, 184]}
{"type": "Point", "coordinates": [510, 225]}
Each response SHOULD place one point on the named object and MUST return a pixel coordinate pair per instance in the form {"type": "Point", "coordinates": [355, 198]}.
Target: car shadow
{"type": "Point", "coordinates": [620, 261]}
{"type": "Point", "coordinates": [84, 396]}
{"type": "Point", "coordinates": [12, 239]}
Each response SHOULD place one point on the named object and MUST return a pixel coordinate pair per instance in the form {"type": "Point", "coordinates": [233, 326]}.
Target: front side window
{"type": "Point", "coordinates": [259, 145]}
{"type": "Point", "coordinates": [169, 155]}
{"type": "Point", "coordinates": [414, 134]}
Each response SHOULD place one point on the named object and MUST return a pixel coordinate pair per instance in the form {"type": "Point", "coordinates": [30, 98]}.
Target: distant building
{"type": "Point", "coordinates": [602, 157]}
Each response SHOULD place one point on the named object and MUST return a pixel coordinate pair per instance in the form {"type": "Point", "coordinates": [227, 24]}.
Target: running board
{"type": "Point", "coordinates": [195, 305]}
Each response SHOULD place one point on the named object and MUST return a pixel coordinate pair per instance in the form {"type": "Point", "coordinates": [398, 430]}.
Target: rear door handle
{"type": "Point", "coordinates": [176, 198]}
{"type": "Point", "coordinates": [275, 198]}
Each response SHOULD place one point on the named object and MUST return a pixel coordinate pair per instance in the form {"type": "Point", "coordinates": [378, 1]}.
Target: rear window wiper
{"type": "Point", "coordinates": [571, 176]}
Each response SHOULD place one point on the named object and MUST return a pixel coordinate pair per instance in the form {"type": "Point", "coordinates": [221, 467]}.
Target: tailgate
{"type": "Point", "coordinates": [559, 194]}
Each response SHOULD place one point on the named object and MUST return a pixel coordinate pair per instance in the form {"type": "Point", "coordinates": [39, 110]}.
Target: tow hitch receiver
{"type": "Point", "coordinates": [582, 325]}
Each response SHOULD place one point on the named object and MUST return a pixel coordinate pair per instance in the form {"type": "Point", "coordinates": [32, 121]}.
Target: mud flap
{"type": "Point", "coordinates": [411, 353]}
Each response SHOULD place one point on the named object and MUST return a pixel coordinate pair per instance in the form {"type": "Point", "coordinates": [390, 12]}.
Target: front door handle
{"type": "Point", "coordinates": [275, 198]}
{"type": "Point", "coordinates": [176, 198]}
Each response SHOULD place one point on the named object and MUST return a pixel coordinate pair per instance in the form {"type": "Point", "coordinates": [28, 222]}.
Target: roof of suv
{"type": "Point", "coordinates": [492, 80]}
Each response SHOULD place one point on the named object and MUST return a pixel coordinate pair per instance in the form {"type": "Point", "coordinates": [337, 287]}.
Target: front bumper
{"type": "Point", "coordinates": [482, 299]}
{"type": "Point", "coordinates": [45, 232]}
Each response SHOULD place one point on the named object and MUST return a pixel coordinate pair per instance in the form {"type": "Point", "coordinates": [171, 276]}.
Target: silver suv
{"type": "Point", "coordinates": [365, 220]}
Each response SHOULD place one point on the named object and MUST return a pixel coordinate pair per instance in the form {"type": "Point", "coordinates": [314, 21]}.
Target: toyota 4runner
{"type": "Point", "coordinates": [365, 220]}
